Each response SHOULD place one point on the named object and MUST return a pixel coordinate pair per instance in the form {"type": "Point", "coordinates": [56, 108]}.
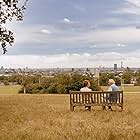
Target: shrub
{"type": "Point", "coordinates": [6, 83]}
{"type": "Point", "coordinates": [61, 89]}
{"type": "Point", "coordinates": [52, 89]}
{"type": "Point", "coordinates": [43, 91]}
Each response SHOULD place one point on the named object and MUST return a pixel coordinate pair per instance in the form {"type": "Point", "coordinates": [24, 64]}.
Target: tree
{"type": "Point", "coordinates": [103, 79]}
{"type": "Point", "coordinates": [137, 76]}
{"type": "Point", "coordinates": [127, 77]}
{"type": "Point", "coordinates": [9, 9]}
{"type": "Point", "coordinates": [59, 84]}
{"type": "Point", "coordinates": [76, 82]}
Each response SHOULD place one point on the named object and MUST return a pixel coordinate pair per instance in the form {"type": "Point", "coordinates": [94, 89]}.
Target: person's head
{"type": "Point", "coordinates": [86, 83]}
{"type": "Point", "coordinates": [111, 81]}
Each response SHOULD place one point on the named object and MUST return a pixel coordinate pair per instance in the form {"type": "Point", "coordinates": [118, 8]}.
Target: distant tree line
{"type": "Point", "coordinates": [14, 79]}
{"type": "Point", "coordinates": [104, 77]}
{"type": "Point", "coordinates": [128, 77]}
{"type": "Point", "coordinates": [59, 84]}
{"type": "Point", "coordinates": [62, 83]}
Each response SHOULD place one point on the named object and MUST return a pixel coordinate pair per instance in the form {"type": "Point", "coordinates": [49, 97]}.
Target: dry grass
{"type": "Point", "coordinates": [47, 117]}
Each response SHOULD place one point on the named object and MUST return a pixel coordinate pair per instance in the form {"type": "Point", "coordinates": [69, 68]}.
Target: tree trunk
{"type": "Point", "coordinates": [24, 90]}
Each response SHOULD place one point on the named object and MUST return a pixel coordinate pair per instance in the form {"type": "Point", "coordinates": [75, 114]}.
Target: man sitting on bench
{"type": "Point", "coordinates": [112, 87]}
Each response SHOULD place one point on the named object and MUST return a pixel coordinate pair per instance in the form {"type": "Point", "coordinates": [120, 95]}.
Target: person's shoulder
{"type": "Point", "coordinates": [81, 89]}
{"type": "Point", "coordinates": [113, 85]}
{"type": "Point", "coordinates": [90, 89]}
{"type": "Point", "coordinates": [84, 89]}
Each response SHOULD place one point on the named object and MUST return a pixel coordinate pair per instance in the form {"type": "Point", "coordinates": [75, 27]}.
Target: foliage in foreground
{"type": "Point", "coordinates": [9, 9]}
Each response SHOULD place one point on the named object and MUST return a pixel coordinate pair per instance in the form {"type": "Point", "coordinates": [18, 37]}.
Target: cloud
{"type": "Point", "coordinates": [121, 45]}
{"type": "Point", "coordinates": [51, 36]}
{"type": "Point", "coordinates": [67, 21]}
{"type": "Point", "coordinates": [78, 27]}
{"type": "Point", "coordinates": [135, 3]}
{"type": "Point", "coordinates": [80, 8]}
{"type": "Point", "coordinates": [131, 7]}
{"type": "Point", "coordinates": [70, 60]}
{"type": "Point", "coordinates": [93, 46]}
{"type": "Point", "coordinates": [45, 31]}
{"type": "Point", "coordinates": [75, 26]}
{"type": "Point", "coordinates": [138, 27]}
{"type": "Point", "coordinates": [109, 36]}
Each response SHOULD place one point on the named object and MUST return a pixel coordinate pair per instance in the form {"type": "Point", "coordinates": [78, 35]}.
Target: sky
{"type": "Point", "coordinates": [76, 33]}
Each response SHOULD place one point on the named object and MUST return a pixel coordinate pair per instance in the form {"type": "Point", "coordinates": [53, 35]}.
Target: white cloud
{"type": "Point", "coordinates": [67, 21]}
{"type": "Point", "coordinates": [93, 46]}
{"type": "Point", "coordinates": [70, 22]}
{"type": "Point", "coordinates": [130, 7]}
{"type": "Point", "coordinates": [101, 38]}
{"type": "Point", "coordinates": [45, 31]}
{"type": "Point", "coordinates": [136, 3]}
{"type": "Point", "coordinates": [70, 60]}
{"type": "Point", "coordinates": [126, 35]}
{"type": "Point", "coordinates": [121, 45]}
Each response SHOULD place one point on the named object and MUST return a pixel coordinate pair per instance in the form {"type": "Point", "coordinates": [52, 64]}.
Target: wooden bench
{"type": "Point", "coordinates": [96, 98]}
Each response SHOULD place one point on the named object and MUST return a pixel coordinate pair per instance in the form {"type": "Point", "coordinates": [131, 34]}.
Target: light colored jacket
{"type": "Point", "coordinates": [113, 96]}
{"type": "Point", "coordinates": [113, 87]}
{"type": "Point", "coordinates": [85, 89]}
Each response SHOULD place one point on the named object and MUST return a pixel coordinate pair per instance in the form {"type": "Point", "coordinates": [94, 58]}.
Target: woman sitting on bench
{"type": "Point", "coordinates": [86, 85]}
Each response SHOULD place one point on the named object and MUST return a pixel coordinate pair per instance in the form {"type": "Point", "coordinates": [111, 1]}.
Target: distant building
{"type": "Point", "coordinates": [121, 64]}
{"type": "Point", "coordinates": [97, 73]}
{"type": "Point", "coordinates": [2, 69]}
{"type": "Point", "coordinates": [115, 68]}
{"type": "Point", "coordinates": [92, 70]}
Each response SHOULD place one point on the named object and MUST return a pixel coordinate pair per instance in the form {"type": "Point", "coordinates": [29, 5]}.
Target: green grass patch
{"type": "Point", "coordinates": [9, 89]}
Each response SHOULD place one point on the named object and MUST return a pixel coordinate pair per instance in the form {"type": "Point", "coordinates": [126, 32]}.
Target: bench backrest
{"type": "Point", "coordinates": [96, 97]}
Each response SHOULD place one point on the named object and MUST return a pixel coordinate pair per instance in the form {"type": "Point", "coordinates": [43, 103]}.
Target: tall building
{"type": "Point", "coordinates": [2, 69]}
{"type": "Point", "coordinates": [97, 73]}
{"type": "Point", "coordinates": [121, 64]}
{"type": "Point", "coordinates": [115, 68]}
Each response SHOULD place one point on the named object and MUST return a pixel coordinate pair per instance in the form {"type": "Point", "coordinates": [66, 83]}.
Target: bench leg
{"type": "Point", "coordinates": [71, 108]}
{"type": "Point", "coordinates": [110, 108]}
{"type": "Point", "coordinates": [88, 108]}
{"type": "Point", "coordinates": [122, 108]}
{"type": "Point", "coordinates": [103, 107]}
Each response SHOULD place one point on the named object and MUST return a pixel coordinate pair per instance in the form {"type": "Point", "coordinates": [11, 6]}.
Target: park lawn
{"type": "Point", "coordinates": [132, 89]}
{"type": "Point", "coordinates": [47, 117]}
{"type": "Point", "coordinates": [10, 89]}
{"type": "Point", "coordinates": [126, 88]}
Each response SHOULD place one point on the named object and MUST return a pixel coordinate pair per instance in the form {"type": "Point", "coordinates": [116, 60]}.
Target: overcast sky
{"type": "Point", "coordinates": [76, 33]}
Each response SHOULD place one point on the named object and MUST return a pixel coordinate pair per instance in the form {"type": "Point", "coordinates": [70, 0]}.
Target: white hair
{"type": "Point", "coordinates": [111, 81]}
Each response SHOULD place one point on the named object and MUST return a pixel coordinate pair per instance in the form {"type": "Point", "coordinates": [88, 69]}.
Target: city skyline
{"type": "Point", "coordinates": [76, 34]}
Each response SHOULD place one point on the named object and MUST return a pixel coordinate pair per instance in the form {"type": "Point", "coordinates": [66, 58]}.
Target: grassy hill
{"type": "Point", "coordinates": [47, 117]}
